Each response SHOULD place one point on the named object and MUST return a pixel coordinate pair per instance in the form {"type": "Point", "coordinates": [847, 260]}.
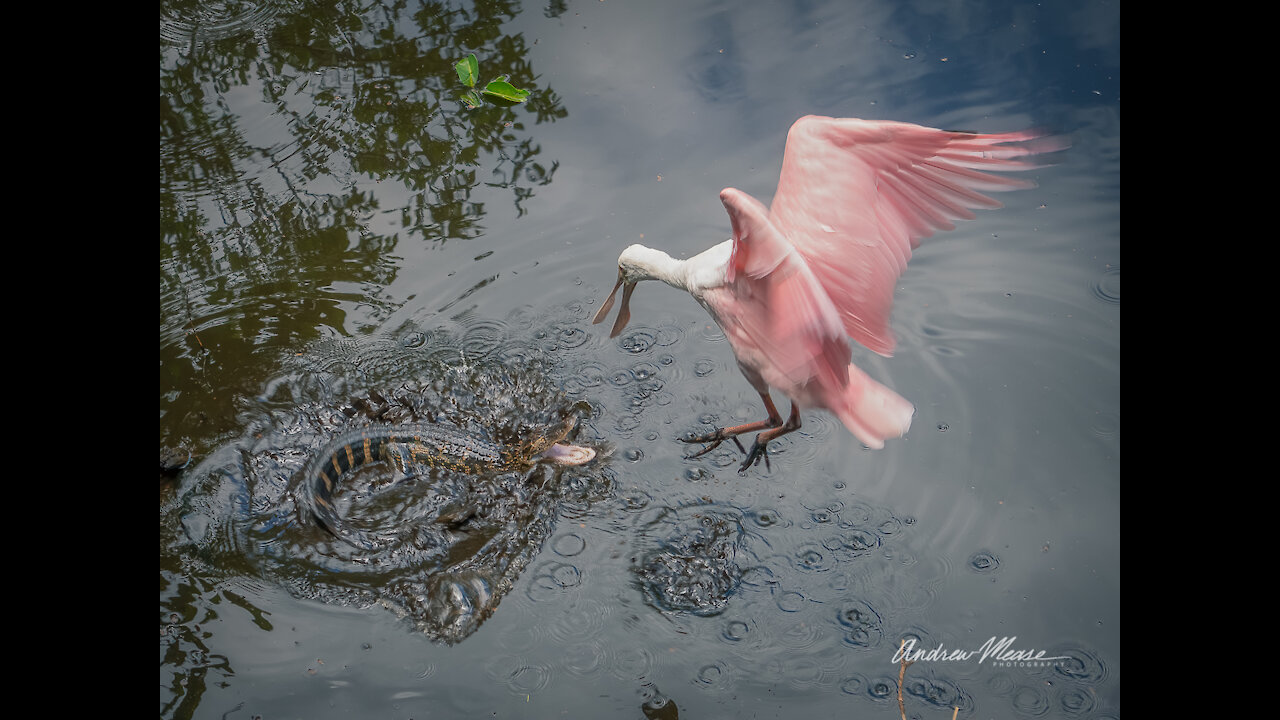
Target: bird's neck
{"type": "Point", "coordinates": [700, 272]}
{"type": "Point", "coordinates": [707, 269]}
{"type": "Point", "coordinates": [660, 266]}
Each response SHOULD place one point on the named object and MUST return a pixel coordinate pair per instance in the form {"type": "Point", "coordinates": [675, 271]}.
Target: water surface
{"type": "Point", "coordinates": [335, 222]}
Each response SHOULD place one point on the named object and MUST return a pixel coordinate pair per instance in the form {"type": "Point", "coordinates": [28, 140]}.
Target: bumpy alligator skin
{"type": "Point", "coordinates": [423, 444]}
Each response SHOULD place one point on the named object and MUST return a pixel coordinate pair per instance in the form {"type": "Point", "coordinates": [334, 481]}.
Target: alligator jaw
{"type": "Point", "coordinates": [562, 453]}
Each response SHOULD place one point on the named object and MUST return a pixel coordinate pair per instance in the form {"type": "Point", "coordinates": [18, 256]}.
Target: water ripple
{"type": "Point", "coordinates": [984, 562]}
{"type": "Point", "coordinates": [583, 659]}
{"type": "Point", "coordinates": [484, 336]}
{"type": "Point", "coordinates": [1001, 683]}
{"type": "Point", "coordinates": [568, 545]}
{"type": "Point", "coordinates": [766, 518]}
{"type": "Point", "coordinates": [798, 636]}
{"type": "Point", "coordinates": [735, 631]}
{"type": "Point", "coordinates": [854, 685]}
{"type": "Point", "coordinates": [936, 692]}
{"type": "Point", "coordinates": [858, 514]}
{"type": "Point", "coordinates": [643, 371]}
{"type": "Point", "coordinates": [703, 367]}
{"type": "Point", "coordinates": [1106, 424]}
{"type": "Point", "coordinates": [790, 601]}
{"type": "Point", "coordinates": [714, 675]}
{"type": "Point", "coordinates": [882, 689]}
{"type": "Point", "coordinates": [414, 339]}
{"type": "Point", "coordinates": [1076, 702]}
{"type": "Point", "coordinates": [634, 499]}
{"type": "Point", "coordinates": [852, 544]}
{"type": "Point", "coordinates": [813, 558]}
{"type": "Point", "coordinates": [522, 637]}
{"type": "Point", "coordinates": [632, 662]}
{"type": "Point", "coordinates": [890, 526]}
{"type": "Point", "coordinates": [1083, 666]}
{"type": "Point", "coordinates": [804, 672]}
{"type": "Point", "coordinates": [192, 25]}
{"type": "Point", "coordinates": [862, 625]}
{"type": "Point", "coordinates": [1030, 701]}
{"type": "Point", "coordinates": [581, 622]}
{"type": "Point", "coordinates": [638, 340]}
{"type": "Point", "coordinates": [520, 676]}
{"type": "Point", "coordinates": [1107, 286]}
{"type": "Point", "coordinates": [668, 335]}
{"type": "Point", "coordinates": [553, 581]}
{"type": "Point", "coordinates": [562, 336]}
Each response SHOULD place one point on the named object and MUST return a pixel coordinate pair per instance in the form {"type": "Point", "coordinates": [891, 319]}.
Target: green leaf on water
{"type": "Point", "coordinates": [468, 70]}
{"type": "Point", "coordinates": [505, 91]}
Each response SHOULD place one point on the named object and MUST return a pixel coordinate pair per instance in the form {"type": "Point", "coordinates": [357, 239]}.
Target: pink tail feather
{"type": "Point", "coordinates": [873, 412]}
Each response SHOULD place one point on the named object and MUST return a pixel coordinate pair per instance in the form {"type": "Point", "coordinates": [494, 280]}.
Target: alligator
{"type": "Point", "coordinates": [425, 444]}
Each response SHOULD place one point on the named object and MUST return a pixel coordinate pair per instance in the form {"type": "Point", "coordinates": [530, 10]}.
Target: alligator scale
{"type": "Point", "coordinates": [430, 445]}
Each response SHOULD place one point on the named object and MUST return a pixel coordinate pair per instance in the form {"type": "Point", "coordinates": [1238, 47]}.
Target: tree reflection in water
{"type": "Point", "coordinates": [299, 145]}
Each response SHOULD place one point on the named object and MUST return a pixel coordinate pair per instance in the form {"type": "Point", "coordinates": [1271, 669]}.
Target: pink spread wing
{"type": "Point", "coordinates": [774, 311]}
{"type": "Point", "coordinates": [855, 197]}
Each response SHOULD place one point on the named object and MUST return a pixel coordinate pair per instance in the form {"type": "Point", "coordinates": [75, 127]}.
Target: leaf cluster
{"type": "Point", "coordinates": [498, 90]}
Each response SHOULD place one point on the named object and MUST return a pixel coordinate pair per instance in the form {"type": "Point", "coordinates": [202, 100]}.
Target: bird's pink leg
{"type": "Point", "coordinates": [719, 435]}
{"type": "Point", "coordinates": [773, 427]}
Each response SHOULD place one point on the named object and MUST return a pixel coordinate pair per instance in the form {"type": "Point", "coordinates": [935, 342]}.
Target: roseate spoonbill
{"type": "Point", "coordinates": [795, 281]}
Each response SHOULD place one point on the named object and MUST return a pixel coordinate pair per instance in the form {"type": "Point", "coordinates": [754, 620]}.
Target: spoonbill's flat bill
{"type": "Point", "coordinates": [819, 266]}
